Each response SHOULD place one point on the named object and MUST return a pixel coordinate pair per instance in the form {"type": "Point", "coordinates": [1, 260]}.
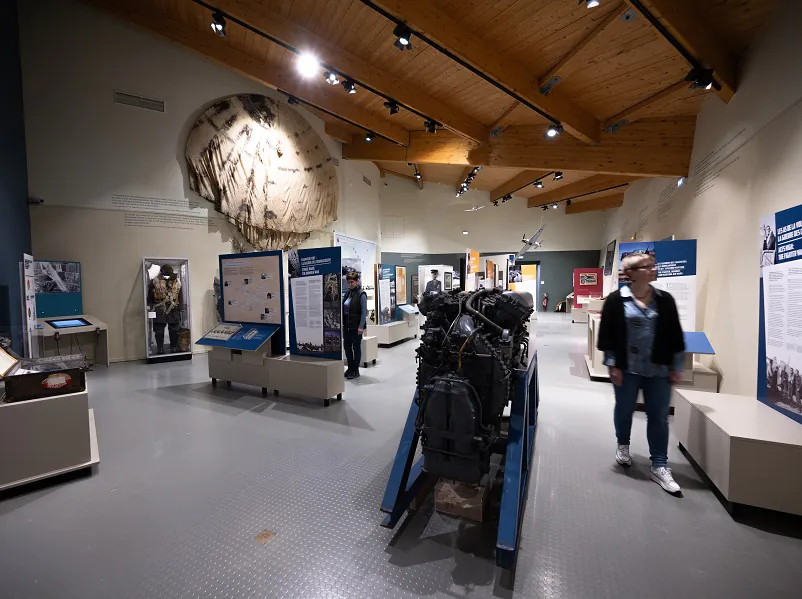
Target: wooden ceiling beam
{"type": "Point", "coordinates": [518, 182]}
{"type": "Point", "coordinates": [682, 19]}
{"type": "Point", "coordinates": [555, 71]}
{"type": "Point", "coordinates": [423, 17]}
{"type": "Point", "coordinates": [648, 148]}
{"type": "Point", "coordinates": [339, 133]}
{"type": "Point", "coordinates": [584, 187]}
{"type": "Point", "coordinates": [630, 115]}
{"type": "Point", "coordinates": [261, 17]}
{"type": "Point", "coordinates": [219, 50]}
{"type": "Point", "coordinates": [604, 203]}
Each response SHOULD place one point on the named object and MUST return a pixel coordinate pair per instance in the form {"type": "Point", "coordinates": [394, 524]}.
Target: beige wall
{"type": "Point", "coordinates": [746, 163]}
{"type": "Point", "coordinates": [82, 149]}
{"type": "Point", "coordinates": [431, 221]}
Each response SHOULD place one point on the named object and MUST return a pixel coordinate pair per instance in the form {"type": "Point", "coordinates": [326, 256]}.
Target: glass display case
{"type": "Point", "coordinates": [167, 311]}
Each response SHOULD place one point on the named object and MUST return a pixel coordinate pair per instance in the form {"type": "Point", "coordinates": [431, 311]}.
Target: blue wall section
{"type": "Point", "coordinates": [15, 225]}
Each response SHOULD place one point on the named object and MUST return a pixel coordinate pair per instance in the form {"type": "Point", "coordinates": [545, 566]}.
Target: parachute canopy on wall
{"type": "Point", "coordinates": [264, 167]}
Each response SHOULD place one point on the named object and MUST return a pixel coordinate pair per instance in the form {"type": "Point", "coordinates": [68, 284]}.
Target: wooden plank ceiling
{"type": "Point", "coordinates": [612, 79]}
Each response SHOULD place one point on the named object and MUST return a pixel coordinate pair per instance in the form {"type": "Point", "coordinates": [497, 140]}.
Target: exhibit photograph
{"type": "Point", "coordinates": [390, 300]}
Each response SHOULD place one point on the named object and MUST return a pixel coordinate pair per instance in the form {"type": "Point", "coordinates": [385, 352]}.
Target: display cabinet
{"type": "Point", "coordinates": [168, 336]}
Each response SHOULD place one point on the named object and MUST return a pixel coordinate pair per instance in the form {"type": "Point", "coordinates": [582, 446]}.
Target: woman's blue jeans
{"type": "Point", "coordinates": [656, 396]}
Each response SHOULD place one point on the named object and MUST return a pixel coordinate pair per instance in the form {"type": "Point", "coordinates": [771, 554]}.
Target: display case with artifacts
{"type": "Point", "coordinates": [167, 309]}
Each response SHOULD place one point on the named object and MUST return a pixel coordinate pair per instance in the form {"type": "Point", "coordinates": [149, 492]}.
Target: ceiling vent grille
{"type": "Point", "coordinates": [138, 102]}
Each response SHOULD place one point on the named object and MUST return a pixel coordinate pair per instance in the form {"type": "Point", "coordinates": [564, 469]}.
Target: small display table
{"type": "Point", "coordinates": [748, 451]}
{"type": "Point", "coordinates": [394, 333]}
{"type": "Point", "coordinates": [306, 376]}
{"type": "Point", "coordinates": [56, 341]}
{"type": "Point", "coordinates": [370, 350]}
{"type": "Point", "coordinates": [42, 438]}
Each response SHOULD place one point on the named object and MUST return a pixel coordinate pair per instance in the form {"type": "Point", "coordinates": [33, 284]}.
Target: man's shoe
{"type": "Point", "coordinates": [662, 476]}
{"type": "Point", "coordinates": [351, 375]}
{"type": "Point", "coordinates": [622, 455]}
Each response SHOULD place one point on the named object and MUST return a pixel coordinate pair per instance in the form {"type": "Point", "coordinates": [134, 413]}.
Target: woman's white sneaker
{"type": "Point", "coordinates": [622, 455]}
{"type": "Point", "coordinates": [662, 476]}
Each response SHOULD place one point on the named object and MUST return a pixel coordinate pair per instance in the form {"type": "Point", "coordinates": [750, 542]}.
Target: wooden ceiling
{"type": "Point", "coordinates": [613, 77]}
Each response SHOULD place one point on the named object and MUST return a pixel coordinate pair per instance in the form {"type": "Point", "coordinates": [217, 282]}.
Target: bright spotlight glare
{"type": "Point", "coordinates": [308, 65]}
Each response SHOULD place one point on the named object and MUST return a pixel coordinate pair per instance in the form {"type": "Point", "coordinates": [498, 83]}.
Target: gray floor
{"type": "Point", "coordinates": [189, 475]}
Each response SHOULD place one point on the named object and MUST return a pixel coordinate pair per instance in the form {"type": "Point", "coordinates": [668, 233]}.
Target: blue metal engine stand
{"type": "Point", "coordinates": [407, 478]}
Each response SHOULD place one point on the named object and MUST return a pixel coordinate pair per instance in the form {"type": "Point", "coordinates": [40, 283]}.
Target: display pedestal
{"type": "Point", "coordinates": [42, 438]}
{"type": "Point", "coordinates": [54, 342]}
{"type": "Point", "coordinates": [310, 377]}
{"type": "Point", "coordinates": [579, 314]}
{"type": "Point", "coordinates": [743, 447]}
{"type": "Point", "coordinates": [240, 366]}
{"type": "Point", "coordinates": [370, 350]}
{"type": "Point", "coordinates": [594, 359]}
{"type": "Point", "coordinates": [394, 332]}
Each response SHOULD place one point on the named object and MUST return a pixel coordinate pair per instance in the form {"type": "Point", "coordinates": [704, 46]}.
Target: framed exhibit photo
{"type": "Point", "coordinates": [401, 285]}
{"type": "Point", "coordinates": [588, 279]}
{"type": "Point", "coordinates": [167, 315]}
{"type": "Point", "coordinates": [609, 258]}
{"type": "Point", "coordinates": [448, 281]}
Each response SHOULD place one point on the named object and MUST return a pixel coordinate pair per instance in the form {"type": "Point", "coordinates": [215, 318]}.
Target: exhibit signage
{"type": "Point", "coordinates": [386, 284]}
{"type": "Point", "coordinates": [676, 272]}
{"type": "Point", "coordinates": [358, 255]}
{"type": "Point", "coordinates": [401, 285]}
{"type": "Point", "coordinates": [472, 270]}
{"type": "Point", "coordinates": [316, 302]}
{"type": "Point", "coordinates": [780, 327]}
{"type": "Point", "coordinates": [29, 305]}
{"type": "Point", "coordinates": [588, 284]}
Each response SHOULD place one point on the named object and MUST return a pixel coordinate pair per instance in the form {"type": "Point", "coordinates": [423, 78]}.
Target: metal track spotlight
{"type": "Point", "coordinates": [702, 79]}
{"type": "Point", "coordinates": [369, 136]}
{"type": "Point", "coordinates": [331, 78]}
{"type": "Point", "coordinates": [539, 184]}
{"type": "Point", "coordinates": [554, 131]}
{"type": "Point", "coordinates": [591, 3]}
{"type": "Point", "coordinates": [404, 35]}
{"type": "Point", "coordinates": [349, 86]}
{"type": "Point", "coordinates": [219, 24]}
{"type": "Point", "coordinates": [430, 125]}
{"type": "Point", "coordinates": [393, 107]}
{"type": "Point", "coordinates": [292, 100]}
{"type": "Point", "coordinates": [558, 175]}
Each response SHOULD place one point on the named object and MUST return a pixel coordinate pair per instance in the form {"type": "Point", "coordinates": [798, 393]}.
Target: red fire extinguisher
{"type": "Point", "coordinates": [545, 302]}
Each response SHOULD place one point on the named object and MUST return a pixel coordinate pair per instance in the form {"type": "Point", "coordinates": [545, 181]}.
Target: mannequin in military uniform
{"type": "Point", "coordinates": [434, 284]}
{"type": "Point", "coordinates": [166, 299]}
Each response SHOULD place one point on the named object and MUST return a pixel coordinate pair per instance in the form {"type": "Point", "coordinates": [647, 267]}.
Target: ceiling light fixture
{"type": "Point", "coordinates": [307, 65]}
{"type": "Point", "coordinates": [219, 24]}
{"type": "Point", "coordinates": [591, 3]}
{"type": "Point", "coordinates": [393, 107]}
{"type": "Point", "coordinates": [554, 131]}
{"type": "Point", "coordinates": [418, 175]}
{"type": "Point", "coordinates": [680, 181]}
{"type": "Point", "coordinates": [430, 125]}
{"type": "Point", "coordinates": [292, 100]}
{"type": "Point", "coordinates": [702, 79]}
{"type": "Point", "coordinates": [495, 202]}
{"type": "Point", "coordinates": [567, 202]}
{"type": "Point", "coordinates": [369, 137]}
{"type": "Point", "coordinates": [554, 206]}
{"type": "Point", "coordinates": [545, 208]}
{"type": "Point", "coordinates": [349, 86]}
{"type": "Point", "coordinates": [539, 184]}
{"type": "Point", "coordinates": [331, 78]}
{"type": "Point", "coordinates": [464, 232]}
{"type": "Point", "coordinates": [558, 175]}
{"type": "Point", "coordinates": [404, 35]}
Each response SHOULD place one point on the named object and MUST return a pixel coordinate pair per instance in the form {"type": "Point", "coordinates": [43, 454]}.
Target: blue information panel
{"type": "Point", "coordinates": [779, 366]}
{"type": "Point", "coordinates": [387, 298]}
{"type": "Point", "coordinates": [58, 288]}
{"type": "Point", "coordinates": [249, 338]}
{"type": "Point", "coordinates": [316, 302]}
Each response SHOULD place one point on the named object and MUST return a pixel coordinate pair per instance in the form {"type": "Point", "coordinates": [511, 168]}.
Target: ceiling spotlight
{"type": "Point", "coordinates": [680, 181]}
{"type": "Point", "coordinates": [477, 168]}
{"type": "Point", "coordinates": [539, 184]}
{"type": "Point", "coordinates": [393, 107]}
{"type": "Point", "coordinates": [545, 208]}
{"type": "Point", "coordinates": [219, 24]}
{"type": "Point", "coordinates": [592, 3]}
{"type": "Point", "coordinates": [331, 78]}
{"type": "Point", "coordinates": [464, 232]}
{"type": "Point", "coordinates": [554, 206]}
{"type": "Point", "coordinates": [430, 125]}
{"type": "Point", "coordinates": [495, 202]}
{"type": "Point", "coordinates": [369, 137]}
{"type": "Point", "coordinates": [404, 35]}
{"type": "Point", "coordinates": [349, 86]}
{"type": "Point", "coordinates": [554, 131]}
{"type": "Point", "coordinates": [702, 79]}
{"type": "Point", "coordinates": [558, 175]}
{"type": "Point", "coordinates": [417, 175]}
{"type": "Point", "coordinates": [307, 65]}
{"type": "Point", "coordinates": [292, 100]}
{"type": "Point", "coordinates": [567, 202]}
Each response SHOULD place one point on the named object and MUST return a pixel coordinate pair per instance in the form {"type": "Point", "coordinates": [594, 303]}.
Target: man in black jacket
{"type": "Point", "coordinates": [644, 347]}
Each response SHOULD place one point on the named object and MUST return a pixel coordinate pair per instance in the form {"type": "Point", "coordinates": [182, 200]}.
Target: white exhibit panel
{"type": "Point", "coordinates": [425, 276]}
{"type": "Point", "coordinates": [359, 255]}
{"type": "Point", "coordinates": [90, 339]}
{"type": "Point", "coordinates": [750, 452]}
{"type": "Point", "coordinates": [41, 438]}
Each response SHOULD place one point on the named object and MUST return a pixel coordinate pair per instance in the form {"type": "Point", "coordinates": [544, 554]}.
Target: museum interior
{"type": "Point", "coordinates": [390, 299]}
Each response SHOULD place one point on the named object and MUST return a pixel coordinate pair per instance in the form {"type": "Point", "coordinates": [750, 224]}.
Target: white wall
{"type": "Point", "coordinates": [431, 221]}
{"type": "Point", "coordinates": [746, 163]}
{"type": "Point", "coordinates": [82, 148]}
